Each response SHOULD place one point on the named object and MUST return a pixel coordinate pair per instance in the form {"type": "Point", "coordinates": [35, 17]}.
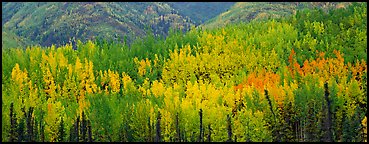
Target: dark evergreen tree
{"type": "Point", "coordinates": [76, 130]}
{"type": "Point", "coordinates": [20, 131]}
{"type": "Point", "coordinates": [178, 131]}
{"type": "Point", "coordinates": [13, 124]}
{"type": "Point", "coordinates": [61, 133]}
{"type": "Point", "coordinates": [229, 128]}
{"type": "Point", "coordinates": [158, 130]}
{"type": "Point", "coordinates": [30, 125]}
{"type": "Point", "coordinates": [89, 132]}
{"type": "Point", "coordinates": [209, 135]}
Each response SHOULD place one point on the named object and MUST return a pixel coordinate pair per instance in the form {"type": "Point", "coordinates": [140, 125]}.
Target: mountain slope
{"type": "Point", "coordinates": [247, 11]}
{"type": "Point", "coordinates": [11, 40]}
{"type": "Point", "coordinates": [49, 23]}
{"type": "Point", "coordinates": [200, 12]}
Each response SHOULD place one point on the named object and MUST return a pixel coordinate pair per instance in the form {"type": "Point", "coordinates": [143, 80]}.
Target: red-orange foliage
{"type": "Point", "coordinates": [294, 66]}
{"type": "Point", "coordinates": [259, 80]}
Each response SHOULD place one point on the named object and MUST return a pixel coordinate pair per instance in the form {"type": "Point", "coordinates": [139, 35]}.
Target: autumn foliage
{"type": "Point", "coordinates": [292, 80]}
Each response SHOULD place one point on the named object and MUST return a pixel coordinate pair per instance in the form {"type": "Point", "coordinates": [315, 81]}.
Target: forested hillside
{"type": "Point", "coordinates": [58, 23]}
{"type": "Point", "coordinates": [11, 40]}
{"type": "Point", "coordinates": [299, 78]}
{"type": "Point", "coordinates": [248, 11]}
{"type": "Point", "coordinates": [200, 12]}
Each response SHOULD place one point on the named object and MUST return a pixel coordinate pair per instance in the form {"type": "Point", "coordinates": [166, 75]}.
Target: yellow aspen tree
{"type": "Point", "coordinates": [157, 88]}
{"type": "Point", "coordinates": [19, 83]}
{"type": "Point", "coordinates": [167, 125]}
{"type": "Point", "coordinates": [142, 66]}
{"type": "Point", "coordinates": [128, 84]}
{"type": "Point", "coordinates": [70, 85]}
{"type": "Point", "coordinates": [55, 112]}
{"type": "Point", "coordinates": [141, 112]}
{"type": "Point", "coordinates": [80, 78]}
{"type": "Point", "coordinates": [145, 88]}
{"type": "Point", "coordinates": [33, 100]}
{"type": "Point", "coordinates": [104, 81]}
{"type": "Point", "coordinates": [191, 121]}
{"type": "Point", "coordinates": [114, 81]}
{"type": "Point", "coordinates": [62, 61]}
{"type": "Point", "coordinates": [91, 87]}
{"type": "Point", "coordinates": [83, 104]}
{"type": "Point", "coordinates": [49, 84]}
{"type": "Point", "coordinates": [19, 77]}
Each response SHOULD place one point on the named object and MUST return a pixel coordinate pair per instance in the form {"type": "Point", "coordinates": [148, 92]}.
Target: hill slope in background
{"type": "Point", "coordinates": [57, 23]}
{"type": "Point", "coordinates": [200, 12]}
{"type": "Point", "coordinates": [247, 11]}
{"type": "Point", "coordinates": [47, 23]}
{"type": "Point", "coordinates": [11, 40]}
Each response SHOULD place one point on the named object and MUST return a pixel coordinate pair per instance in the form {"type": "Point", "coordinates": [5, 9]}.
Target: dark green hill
{"type": "Point", "coordinates": [200, 12]}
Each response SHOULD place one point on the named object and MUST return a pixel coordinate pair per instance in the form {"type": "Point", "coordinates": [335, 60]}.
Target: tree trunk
{"type": "Point", "coordinates": [329, 118]}
{"type": "Point", "coordinates": [158, 131]}
{"type": "Point", "coordinates": [13, 124]}
{"type": "Point", "coordinates": [209, 135]}
{"type": "Point", "coordinates": [178, 139]}
{"type": "Point", "coordinates": [229, 128]}
{"type": "Point", "coordinates": [76, 132]}
{"type": "Point", "coordinates": [201, 129]}
{"type": "Point", "coordinates": [89, 132]}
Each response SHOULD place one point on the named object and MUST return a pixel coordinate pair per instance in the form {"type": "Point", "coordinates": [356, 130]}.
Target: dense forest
{"type": "Point", "coordinates": [301, 78]}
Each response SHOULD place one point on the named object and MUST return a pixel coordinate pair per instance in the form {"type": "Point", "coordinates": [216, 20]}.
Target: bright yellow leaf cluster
{"type": "Point", "coordinates": [128, 84]}
{"type": "Point", "coordinates": [143, 65]}
{"type": "Point", "coordinates": [19, 77]}
{"type": "Point", "coordinates": [157, 88]}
